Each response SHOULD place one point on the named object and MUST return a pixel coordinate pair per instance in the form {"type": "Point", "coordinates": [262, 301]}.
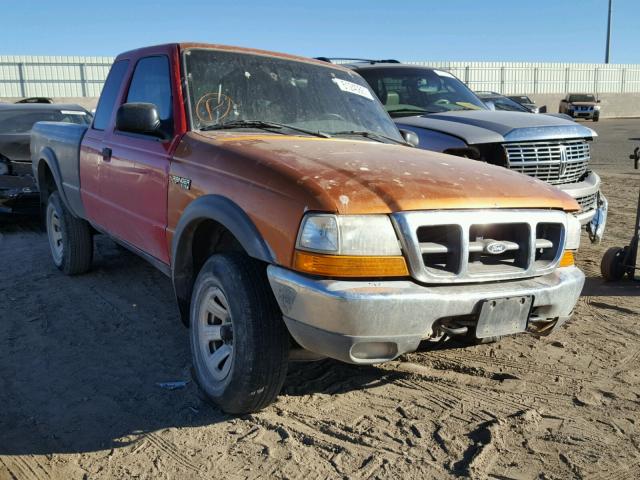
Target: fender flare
{"type": "Point", "coordinates": [229, 215]}
{"type": "Point", "coordinates": [48, 156]}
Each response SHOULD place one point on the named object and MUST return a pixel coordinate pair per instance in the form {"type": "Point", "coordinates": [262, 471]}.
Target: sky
{"type": "Point", "coordinates": [471, 30]}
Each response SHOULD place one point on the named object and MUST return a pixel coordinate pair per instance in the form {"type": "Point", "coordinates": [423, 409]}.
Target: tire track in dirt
{"type": "Point", "coordinates": [165, 446]}
{"type": "Point", "coordinates": [25, 467]}
{"type": "Point", "coordinates": [516, 365]}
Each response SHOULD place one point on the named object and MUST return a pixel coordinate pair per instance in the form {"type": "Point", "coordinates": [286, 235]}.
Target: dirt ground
{"type": "Point", "coordinates": [81, 359]}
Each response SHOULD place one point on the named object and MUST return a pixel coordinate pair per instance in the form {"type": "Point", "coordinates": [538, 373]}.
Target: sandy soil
{"type": "Point", "coordinates": [80, 360]}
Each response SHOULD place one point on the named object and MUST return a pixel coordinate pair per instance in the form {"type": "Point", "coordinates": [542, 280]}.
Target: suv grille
{"type": "Point", "coordinates": [457, 246]}
{"type": "Point", "coordinates": [588, 202]}
{"type": "Point", "coordinates": [554, 162]}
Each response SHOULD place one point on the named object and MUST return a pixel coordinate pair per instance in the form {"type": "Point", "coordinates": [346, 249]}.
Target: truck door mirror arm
{"type": "Point", "coordinates": [140, 118]}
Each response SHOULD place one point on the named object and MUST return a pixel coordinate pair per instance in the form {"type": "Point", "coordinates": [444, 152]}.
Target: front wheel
{"type": "Point", "coordinates": [70, 238]}
{"type": "Point", "coordinates": [239, 343]}
{"type": "Point", "coordinates": [596, 118]}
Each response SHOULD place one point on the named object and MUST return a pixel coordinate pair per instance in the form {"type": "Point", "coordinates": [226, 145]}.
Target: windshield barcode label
{"type": "Point", "coordinates": [351, 87]}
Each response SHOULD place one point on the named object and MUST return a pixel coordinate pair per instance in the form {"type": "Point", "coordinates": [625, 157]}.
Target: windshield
{"type": "Point", "coordinates": [521, 99]}
{"type": "Point", "coordinates": [409, 91]}
{"type": "Point", "coordinates": [504, 103]}
{"type": "Point", "coordinates": [582, 98]}
{"type": "Point", "coordinates": [21, 121]}
{"type": "Point", "coordinates": [226, 87]}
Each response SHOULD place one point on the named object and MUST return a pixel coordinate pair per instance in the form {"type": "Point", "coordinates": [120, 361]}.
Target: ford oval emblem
{"type": "Point", "coordinates": [495, 248]}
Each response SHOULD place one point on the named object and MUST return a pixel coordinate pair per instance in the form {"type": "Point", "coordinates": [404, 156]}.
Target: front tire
{"type": "Point", "coordinates": [70, 238]}
{"type": "Point", "coordinates": [239, 343]}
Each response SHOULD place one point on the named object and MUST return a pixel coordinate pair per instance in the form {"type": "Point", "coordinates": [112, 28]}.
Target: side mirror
{"type": "Point", "coordinates": [410, 137]}
{"type": "Point", "coordinates": [142, 118]}
{"type": "Point", "coordinates": [598, 101]}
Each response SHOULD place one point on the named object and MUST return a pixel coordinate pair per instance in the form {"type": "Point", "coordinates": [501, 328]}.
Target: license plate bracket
{"type": "Point", "coordinates": [503, 316]}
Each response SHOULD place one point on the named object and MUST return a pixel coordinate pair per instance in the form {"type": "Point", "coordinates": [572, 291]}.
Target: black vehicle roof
{"type": "Point", "coordinates": [383, 65]}
{"type": "Point", "coordinates": [42, 106]}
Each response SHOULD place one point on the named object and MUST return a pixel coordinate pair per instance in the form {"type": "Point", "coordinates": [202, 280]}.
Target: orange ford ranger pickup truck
{"type": "Point", "coordinates": [295, 220]}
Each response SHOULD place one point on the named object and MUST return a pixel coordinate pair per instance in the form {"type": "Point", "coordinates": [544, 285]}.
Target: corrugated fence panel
{"type": "Point", "coordinates": [66, 76]}
{"type": "Point", "coordinates": [55, 76]}
{"type": "Point", "coordinates": [537, 78]}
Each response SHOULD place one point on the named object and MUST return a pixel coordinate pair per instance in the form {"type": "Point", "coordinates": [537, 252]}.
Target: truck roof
{"type": "Point", "coordinates": [229, 48]}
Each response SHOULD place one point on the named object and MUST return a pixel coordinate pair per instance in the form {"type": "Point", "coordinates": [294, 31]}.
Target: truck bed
{"type": "Point", "coordinates": [59, 144]}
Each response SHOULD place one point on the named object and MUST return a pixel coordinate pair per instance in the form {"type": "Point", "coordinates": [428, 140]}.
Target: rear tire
{"type": "Point", "coordinates": [70, 238]}
{"type": "Point", "coordinates": [611, 266]}
{"type": "Point", "coordinates": [239, 342]}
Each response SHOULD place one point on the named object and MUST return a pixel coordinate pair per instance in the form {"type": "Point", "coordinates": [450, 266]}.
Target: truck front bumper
{"type": "Point", "coordinates": [369, 322]}
{"type": "Point", "coordinates": [592, 202]}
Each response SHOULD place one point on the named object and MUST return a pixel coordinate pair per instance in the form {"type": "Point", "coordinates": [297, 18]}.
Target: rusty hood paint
{"type": "Point", "coordinates": [361, 177]}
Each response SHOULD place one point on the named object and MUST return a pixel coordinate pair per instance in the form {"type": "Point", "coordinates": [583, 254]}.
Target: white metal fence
{"type": "Point", "coordinates": [30, 76]}
{"type": "Point", "coordinates": [537, 78]}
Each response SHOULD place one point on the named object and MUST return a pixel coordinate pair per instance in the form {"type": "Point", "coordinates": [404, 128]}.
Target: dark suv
{"type": "Point", "coordinates": [448, 117]}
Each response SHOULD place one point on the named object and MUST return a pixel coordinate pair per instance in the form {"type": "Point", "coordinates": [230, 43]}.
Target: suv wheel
{"type": "Point", "coordinates": [70, 239]}
{"type": "Point", "coordinates": [239, 343]}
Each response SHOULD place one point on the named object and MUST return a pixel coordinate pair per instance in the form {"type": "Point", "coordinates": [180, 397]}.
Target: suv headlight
{"type": "Point", "coordinates": [349, 246]}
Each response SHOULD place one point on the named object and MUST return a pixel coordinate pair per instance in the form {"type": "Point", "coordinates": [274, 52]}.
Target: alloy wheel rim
{"type": "Point", "coordinates": [54, 232]}
{"type": "Point", "coordinates": [215, 333]}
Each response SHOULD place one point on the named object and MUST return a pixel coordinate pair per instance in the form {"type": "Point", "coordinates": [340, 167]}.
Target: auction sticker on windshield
{"type": "Point", "coordinates": [351, 87]}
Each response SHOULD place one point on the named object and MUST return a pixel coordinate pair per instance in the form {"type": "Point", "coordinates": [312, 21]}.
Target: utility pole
{"type": "Point", "coordinates": [606, 55]}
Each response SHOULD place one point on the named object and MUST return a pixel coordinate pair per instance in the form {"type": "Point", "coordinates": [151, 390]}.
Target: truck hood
{"type": "Point", "coordinates": [488, 126]}
{"type": "Point", "coordinates": [360, 177]}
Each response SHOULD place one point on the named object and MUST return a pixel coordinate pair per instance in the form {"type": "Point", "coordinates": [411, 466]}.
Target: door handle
{"type": "Point", "coordinates": [106, 154]}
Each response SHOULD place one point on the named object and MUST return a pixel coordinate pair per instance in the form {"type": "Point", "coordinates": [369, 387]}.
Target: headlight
{"type": "Point", "coordinates": [574, 229]}
{"type": "Point", "coordinates": [348, 235]}
{"type": "Point", "coordinates": [349, 246]}
{"type": "Point", "coordinates": [596, 107]}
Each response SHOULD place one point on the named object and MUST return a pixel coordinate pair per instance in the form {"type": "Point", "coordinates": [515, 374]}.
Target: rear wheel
{"type": "Point", "coordinates": [611, 266]}
{"type": "Point", "coordinates": [70, 239]}
{"type": "Point", "coordinates": [239, 343]}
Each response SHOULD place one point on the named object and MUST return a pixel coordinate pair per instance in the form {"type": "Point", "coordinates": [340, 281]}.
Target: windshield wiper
{"type": "Point", "coordinates": [262, 125]}
{"type": "Point", "coordinates": [378, 137]}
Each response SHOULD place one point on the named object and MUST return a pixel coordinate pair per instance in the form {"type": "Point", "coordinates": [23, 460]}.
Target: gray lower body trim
{"type": "Point", "coordinates": [332, 317]}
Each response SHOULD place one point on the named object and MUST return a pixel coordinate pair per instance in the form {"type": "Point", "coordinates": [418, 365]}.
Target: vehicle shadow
{"type": "Point", "coordinates": [81, 358]}
{"type": "Point", "coordinates": [597, 287]}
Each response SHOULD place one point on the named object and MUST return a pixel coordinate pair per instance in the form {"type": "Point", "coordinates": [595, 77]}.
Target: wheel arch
{"type": "Point", "coordinates": [210, 224]}
{"type": "Point", "coordinates": [49, 177]}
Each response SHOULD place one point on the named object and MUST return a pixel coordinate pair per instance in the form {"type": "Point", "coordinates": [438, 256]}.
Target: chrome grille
{"type": "Point", "coordinates": [588, 202]}
{"type": "Point", "coordinates": [555, 162]}
{"type": "Point", "coordinates": [457, 246]}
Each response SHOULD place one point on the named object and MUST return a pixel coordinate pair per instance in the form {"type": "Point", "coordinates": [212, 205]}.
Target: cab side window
{"type": "Point", "coordinates": [109, 94]}
{"type": "Point", "coordinates": [151, 84]}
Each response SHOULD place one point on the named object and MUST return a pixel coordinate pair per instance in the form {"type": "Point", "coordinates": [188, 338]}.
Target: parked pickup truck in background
{"type": "Point", "coordinates": [580, 105]}
{"type": "Point", "coordinates": [293, 218]}
{"type": "Point", "coordinates": [448, 117]}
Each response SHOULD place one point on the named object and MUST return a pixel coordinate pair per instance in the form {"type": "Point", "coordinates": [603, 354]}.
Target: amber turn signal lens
{"type": "Point", "coordinates": [350, 266]}
{"type": "Point", "coordinates": [567, 259]}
